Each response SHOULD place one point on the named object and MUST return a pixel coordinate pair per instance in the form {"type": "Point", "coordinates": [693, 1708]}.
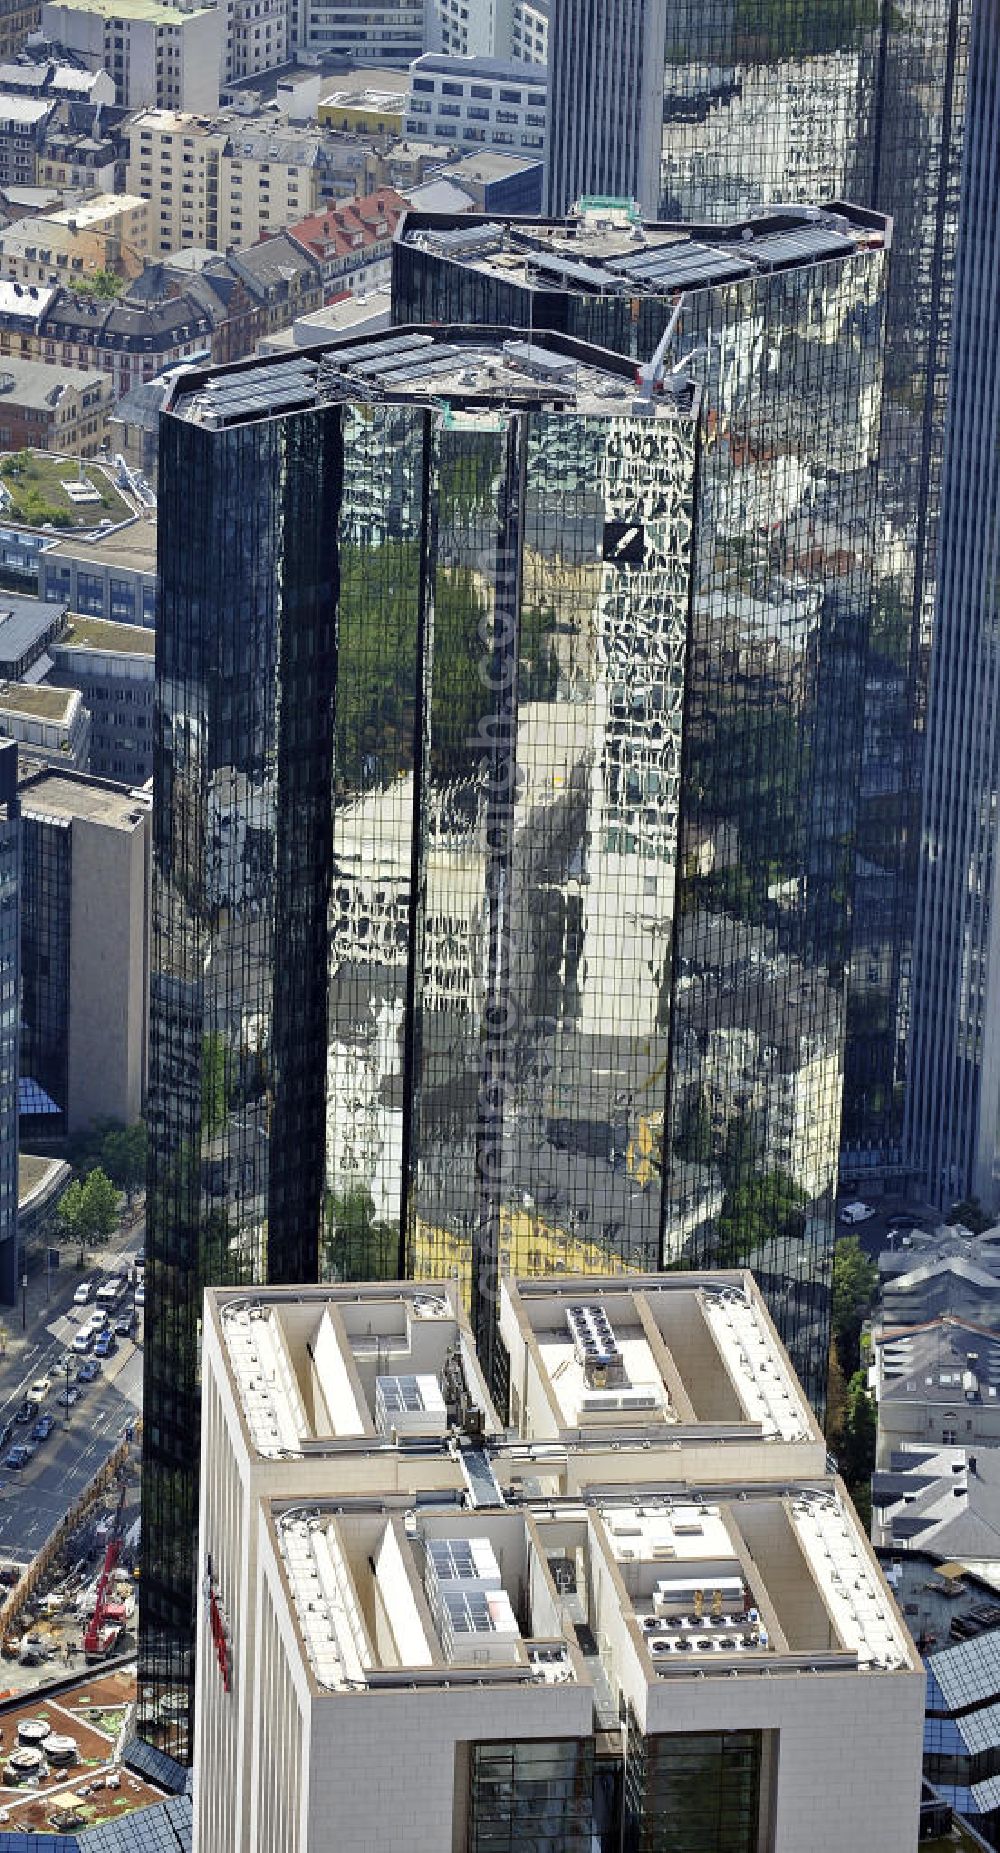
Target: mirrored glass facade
{"type": "Point", "coordinates": [245, 662]}
{"type": "Point", "coordinates": [508, 750]}
{"type": "Point", "coordinates": [711, 108]}
{"type": "Point", "coordinates": [10, 968]}
{"type": "Point", "coordinates": [722, 1142]}
{"type": "Point", "coordinates": [953, 1110]}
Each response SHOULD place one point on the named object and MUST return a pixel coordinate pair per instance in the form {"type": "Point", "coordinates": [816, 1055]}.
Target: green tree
{"type": "Point", "coordinates": [857, 1449]}
{"type": "Point", "coordinates": [971, 1215]}
{"type": "Point", "coordinates": [88, 1210]}
{"type": "Point", "coordinates": [102, 1203]}
{"type": "Point", "coordinates": [123, 1156]}
{"type": "Point", "coordinates": [69, 1214]}
{"type": "Point", "coordinates": [855, 1279]}
{"type": "Point", "coordinates": [104, 284]}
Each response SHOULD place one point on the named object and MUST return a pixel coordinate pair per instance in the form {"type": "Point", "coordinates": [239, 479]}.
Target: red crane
{"type": "Point", "coordinates": [105, 1624]}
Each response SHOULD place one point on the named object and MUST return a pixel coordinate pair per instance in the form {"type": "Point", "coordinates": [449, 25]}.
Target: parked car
{"type": "Point", "coordinates": [140, 1295]}
{"type": "Point", "coordinates": [125, 1325]}
{"type": "Point", "coordinates": [856, 1212]}
{"type": "Point", "coordinates": [19, 1456]}
{"type": "Point", "coordinates": [88, 1370]}
{"type": "Point", "coordinates": [71, 1396]}
{"type": "Point", "coordinates": [83, 1293]}
{"type": "Point", "coordinates": [43, 1428]}
{"type": "Point", "coordinates": [83, 1339]}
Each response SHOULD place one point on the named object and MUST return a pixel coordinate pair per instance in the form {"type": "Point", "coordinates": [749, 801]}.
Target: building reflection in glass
{"type": "Point", "coordinates": [709, 109]}
{"type": "Point", "coordinates": [722, 1142]}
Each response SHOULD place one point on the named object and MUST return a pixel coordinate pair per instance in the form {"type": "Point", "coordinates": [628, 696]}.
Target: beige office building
{"type": "Point", "coordinates": [420, 1630]}
{"type": "Point", "coordinates": [85, 945]}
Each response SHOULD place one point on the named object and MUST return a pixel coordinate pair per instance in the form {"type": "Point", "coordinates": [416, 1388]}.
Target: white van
{"type": "Point", "coordinates": [856, 1212]}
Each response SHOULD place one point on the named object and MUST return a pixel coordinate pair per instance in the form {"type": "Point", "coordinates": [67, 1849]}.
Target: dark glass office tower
{"type": "Point", "coordinates": [508, 743]}
{"type": "Point", "coordinates": [726, 1143]}
{"type": "Point", "coordinates": [10, 969]}
{"type": "Point", "coordinates": [246, 651]}
{"type": "Point", "coordinates": [953, 1108]}
{"type": "Point", "coordinates": [343, 561]}
{"type": "Point", "coordinates": [708, 109]}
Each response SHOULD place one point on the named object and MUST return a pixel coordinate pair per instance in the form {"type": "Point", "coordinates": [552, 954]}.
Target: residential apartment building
{"type": "Point", "coordinates": [220, 184]}
{"type": "Point", "coordinates": [129, 339]}
{"type": "Point", "coordinates": [112, 666]}
{"type": "Point", "coordinates": [529, 31]}
{"type": "Point", "coordinates": [43, 407]}
{"type": "Point", "coordinates": [23, 121]}
{"type": "Point", "coordinates": [16, 21]}
{"type": "Point", "coordinates": [257, 37]}
{"type": "Point", "coordinates": [496, 1020]}
{"type": "Point", "coordinates": [282, 280]}
{"type": "Point", "coordinates": [936, 1384]}
{"type": "Point", "coordinates": [85, 945]}
{"type": "Point", "coordinates": [477, 102]}
{"type": "Point", "coordinates": [160, 55]}
{"type": "Point", "coordinates": [42, 72]}
{"type": "Point", "coordinates": [352, 244]}
{"type": "Point", "coordinates": [108, 233]}
{"type": "Point", "coordinates": [564, 1645]}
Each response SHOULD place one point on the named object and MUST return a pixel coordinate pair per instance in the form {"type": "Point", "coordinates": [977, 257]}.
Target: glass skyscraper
{"type": "Point", "coordinates": [508, 749]}
{"type": "Point", "coordinates": [245, 659]}
{"type": "Point", "coordinates": [10, 970]}
{"type": "Point", "coordinates": [953, 1106]}
{"type": "Point", "coordinates": [722, 1139]}
{"type": "Point", "coordinates": [710, 108]}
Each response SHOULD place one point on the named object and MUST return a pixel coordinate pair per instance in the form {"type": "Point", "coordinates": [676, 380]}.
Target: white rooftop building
{"type": "Point", "coordinates": [422, 1630]}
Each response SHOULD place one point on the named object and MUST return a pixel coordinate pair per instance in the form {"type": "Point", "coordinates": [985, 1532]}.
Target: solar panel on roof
{"type": "Point", "coordinates": [360, 359]}
{"type": "Point", "coordinates": [417, 369]}
{"type": "Point", "coordinates": [692, 264]}
{"type": "Point", "coordinates": [795, 247]}
{"type": "Point", "coordinates": [595, 276]}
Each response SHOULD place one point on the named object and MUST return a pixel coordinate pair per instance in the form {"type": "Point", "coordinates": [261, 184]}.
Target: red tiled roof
{"type": "Point", "coordinates": [355, 225]}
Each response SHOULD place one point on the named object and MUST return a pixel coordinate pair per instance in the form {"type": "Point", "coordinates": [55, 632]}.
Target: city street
{"type": "Point", "coordinates": [33, 1500]}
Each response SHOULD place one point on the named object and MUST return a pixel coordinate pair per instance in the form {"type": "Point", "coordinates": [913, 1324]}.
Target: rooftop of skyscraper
{"type": "Point", "coordinates": [496, 367]}
{"type": "Point", "coordinates": [605, 247]}
{"type": "Point", "coordinates": [762, 1568]}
